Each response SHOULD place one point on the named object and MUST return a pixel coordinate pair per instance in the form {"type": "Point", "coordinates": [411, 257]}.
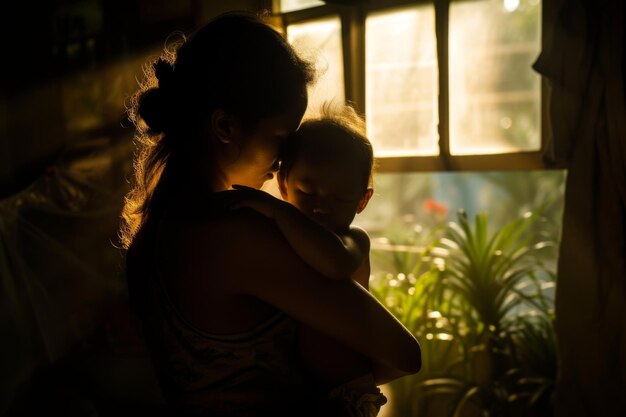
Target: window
{"type": "Point", "coordinates": [494, 94]}
{"type": "Point", "coordinates": [291, 5]}
{"type": "Point", "coordinates": [401, 120]}
{"type": "Point", "coordinates": [319, 41]}
{"type": "Point", "coordinates": [445, 85]}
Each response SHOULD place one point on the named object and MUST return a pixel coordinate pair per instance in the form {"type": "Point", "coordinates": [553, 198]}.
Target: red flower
{"type": "Point", "coordinates": [432, 206]}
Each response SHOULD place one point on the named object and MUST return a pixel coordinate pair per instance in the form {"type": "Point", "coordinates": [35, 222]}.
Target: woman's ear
{"type": "Point", "coordinates": [365, 199]}
{"type": "Point", "coordinates": [222, 125]}
{"type": "Point", "coordinates": [282, 185]}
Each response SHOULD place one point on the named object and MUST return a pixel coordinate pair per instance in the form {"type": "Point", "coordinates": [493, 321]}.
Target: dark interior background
{"type": "Point", "coordinates": [70, 346]}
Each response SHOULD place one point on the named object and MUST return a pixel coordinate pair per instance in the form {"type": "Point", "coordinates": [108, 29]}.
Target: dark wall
{"type": "Point", "coordinates": [68, 67]}
{"type": "Point", "coordinates": [66, 149]}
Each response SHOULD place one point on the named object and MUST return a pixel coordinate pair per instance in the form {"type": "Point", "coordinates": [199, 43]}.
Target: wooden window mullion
{"type": "Point", "coordinates": [353, 44]}
{"type": "Point", "coordinates": [442, 12]}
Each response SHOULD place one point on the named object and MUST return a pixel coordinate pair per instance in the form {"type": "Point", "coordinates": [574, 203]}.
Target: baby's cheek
{"type": "Point", "coordinates": [302, 205]}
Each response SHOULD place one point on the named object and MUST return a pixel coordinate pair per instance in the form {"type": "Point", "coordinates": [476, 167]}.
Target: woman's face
{"type": "Point", "coordinates": [256, 158]}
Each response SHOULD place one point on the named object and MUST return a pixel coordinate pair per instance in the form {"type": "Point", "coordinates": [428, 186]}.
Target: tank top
{"type": "Point", "coordinates": [252, 373]}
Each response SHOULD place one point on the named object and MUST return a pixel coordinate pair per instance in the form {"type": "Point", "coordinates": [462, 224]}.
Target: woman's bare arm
{"type": "Point", "coordinates": [250, 255]}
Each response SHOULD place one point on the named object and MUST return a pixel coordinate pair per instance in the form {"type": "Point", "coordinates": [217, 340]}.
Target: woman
{"type": "Point", "coordinates": [219, 292]}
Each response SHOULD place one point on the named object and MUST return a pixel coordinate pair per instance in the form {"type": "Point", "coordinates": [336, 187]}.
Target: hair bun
{"type": "Point", "coordinates": [155, 103]}
{"type": "Point", "coordinates": [153, 110]}
{"type": "Point", "coordinates": [164, 72]}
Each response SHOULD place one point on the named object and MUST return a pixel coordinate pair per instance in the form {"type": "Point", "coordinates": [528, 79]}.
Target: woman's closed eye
{"type": "Point", "coordinates": [306, 192]}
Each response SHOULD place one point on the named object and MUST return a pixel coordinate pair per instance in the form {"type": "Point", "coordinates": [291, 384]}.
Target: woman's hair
{"type": "Point", "coordinates": [237, 63]}
{"type": "Point", "coordinates": [335, 130]}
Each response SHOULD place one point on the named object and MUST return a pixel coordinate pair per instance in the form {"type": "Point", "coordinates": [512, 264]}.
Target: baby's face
{"type": "Point", "coordinates": [330, 193]}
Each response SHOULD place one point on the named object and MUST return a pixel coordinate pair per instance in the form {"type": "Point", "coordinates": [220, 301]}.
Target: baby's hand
{"type": "Point", "coordinates": [257, 200]}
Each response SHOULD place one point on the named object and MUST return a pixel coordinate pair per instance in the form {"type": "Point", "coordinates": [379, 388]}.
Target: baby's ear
{"type": "Point", "coordinates": [365, 199]}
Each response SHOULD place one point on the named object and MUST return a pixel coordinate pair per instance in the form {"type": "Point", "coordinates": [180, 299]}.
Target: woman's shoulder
{"type": "Point", "coordinates": [211, 220]}
{"type": "Point", "coordinates": [234, 245]}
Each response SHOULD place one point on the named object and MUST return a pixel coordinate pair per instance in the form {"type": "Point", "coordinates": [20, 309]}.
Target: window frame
{"type": "Point", "coordinates": [352, 19]}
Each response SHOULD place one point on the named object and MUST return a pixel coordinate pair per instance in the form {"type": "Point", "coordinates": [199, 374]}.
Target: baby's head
{"type": "Point", "coordinates": [326, 167]}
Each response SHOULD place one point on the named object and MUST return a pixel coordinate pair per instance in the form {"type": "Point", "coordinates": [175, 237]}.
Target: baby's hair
{"type": "Point", "coordinates": [320, 134]}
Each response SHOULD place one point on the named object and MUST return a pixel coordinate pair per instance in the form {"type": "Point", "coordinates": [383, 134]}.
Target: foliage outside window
{"type": "Point", "coordinates": [467, 262]}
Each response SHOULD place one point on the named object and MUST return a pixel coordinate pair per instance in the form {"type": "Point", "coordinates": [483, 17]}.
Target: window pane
{"type": "Point", "coordinates": [401, 81]}
{"type": "Point", "coordinates": [412, 208]}
{"type": "Point", "coordinates": [284, 6]}
{"type": "Point", "coordinates": [495, 95]}
{"type": "Point", "coordinates": [320, 41]}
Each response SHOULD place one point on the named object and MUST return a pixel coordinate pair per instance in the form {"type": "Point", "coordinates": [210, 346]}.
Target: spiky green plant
{"type": "Point", "coordinates": [486, 275]}
{"type": "Point", "coordinates": [477, 303]}
{"type": "Point", "coordinates": [489, 282]}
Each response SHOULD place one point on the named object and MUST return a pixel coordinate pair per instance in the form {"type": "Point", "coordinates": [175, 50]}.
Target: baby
{"type": "Point", "coordinates": [325, 177]}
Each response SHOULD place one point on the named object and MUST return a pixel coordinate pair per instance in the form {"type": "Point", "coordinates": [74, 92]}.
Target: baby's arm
{"type": "Point", "coordinates": [334, 256]}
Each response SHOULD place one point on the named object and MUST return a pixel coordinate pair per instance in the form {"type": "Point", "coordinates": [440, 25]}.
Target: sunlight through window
{"type": "Point", "coordinates": [495, 96]}
{"type": "Point", "coordinates": [319, 41]}
{"type": "Point", "coordinates": [285, 6]}
{"type": "Point", "coordinates": [401, 82]}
